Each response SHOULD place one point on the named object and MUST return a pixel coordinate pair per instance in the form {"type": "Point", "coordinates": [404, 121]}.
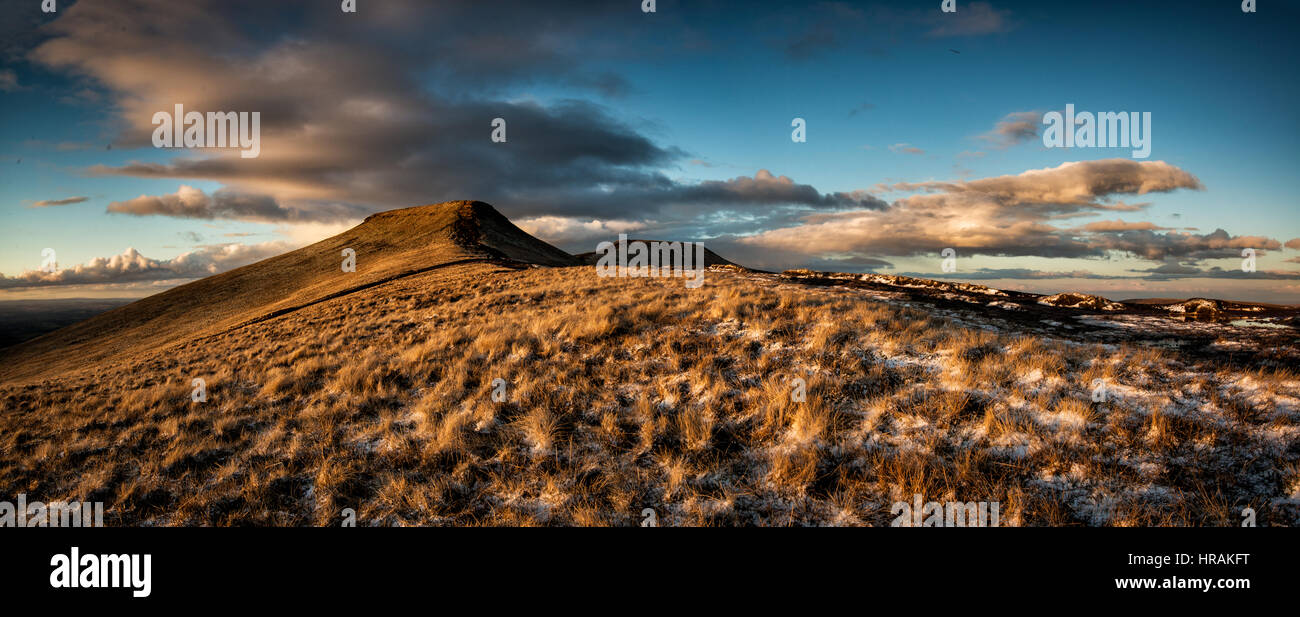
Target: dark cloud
{"type": "Point", "coordinates": [393, 107]}
{"type": "Point", "coordinates": [766, 189]}
{"type": "Point", "coordinates": [368, 121]}
{"type": "Point", "coordinates": [984, 274]}
{"type": "Point", "coordinates": [1173, 272]}
{"type": "Point", "coordinates": [189, 202]}
{"type": "Point", "coordinates": [1162, 246]}
{"type": "Point", "coordinates": [855, 263]}
{"type": "Point", "coordinates": [1164, 272]}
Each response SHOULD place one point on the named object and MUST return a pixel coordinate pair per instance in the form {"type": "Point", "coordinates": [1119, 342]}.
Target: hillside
{"type": "Point", "coordinates": [388, 245]}
{"type": "Point", "coordinates": [449, 382]}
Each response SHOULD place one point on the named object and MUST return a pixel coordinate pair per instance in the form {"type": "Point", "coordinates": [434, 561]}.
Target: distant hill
{"type": "Point", "coordinates": [710, 258]}
{"type": "Point", "coordinates": [22, 320]}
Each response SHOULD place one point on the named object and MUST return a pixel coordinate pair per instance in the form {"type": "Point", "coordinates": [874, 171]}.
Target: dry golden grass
{"type": "Point", "coordinates": [624, 394]}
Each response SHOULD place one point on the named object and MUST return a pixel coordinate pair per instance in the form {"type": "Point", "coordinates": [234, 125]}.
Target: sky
{"type": "Point", "coordinates": [922, 131]}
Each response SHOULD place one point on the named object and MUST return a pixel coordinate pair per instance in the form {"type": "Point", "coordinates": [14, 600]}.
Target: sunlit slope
{"type": "Point", "coordinates": [387, 245]}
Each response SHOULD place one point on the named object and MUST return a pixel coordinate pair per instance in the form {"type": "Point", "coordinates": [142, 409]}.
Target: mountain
{"type": "Point", "coordinates": [454, 379]}
{"type": "Point", "coordinates": [388, 245]}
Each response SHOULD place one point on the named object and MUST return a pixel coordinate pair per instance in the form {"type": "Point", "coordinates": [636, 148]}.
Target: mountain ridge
{"type": "Point", "coordinates": [388, 245]}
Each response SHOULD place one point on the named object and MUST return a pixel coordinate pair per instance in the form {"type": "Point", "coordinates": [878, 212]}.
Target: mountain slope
{"type": "Point", "coordinates": [388, 245]}
{"type": "Point", "coordinates": [475, 394]}
{"type": "Point", "coordinates": [446, 383]}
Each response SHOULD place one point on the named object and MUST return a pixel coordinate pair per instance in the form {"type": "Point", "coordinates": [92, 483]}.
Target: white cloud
{"type": "Point", "coordinates": [133, 267]}
{"type": "Point", "coordinates": [573, 230]}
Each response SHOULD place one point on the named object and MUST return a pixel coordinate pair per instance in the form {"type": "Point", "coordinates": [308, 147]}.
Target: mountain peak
{"type": "Point", "coordinates": [470, 225]}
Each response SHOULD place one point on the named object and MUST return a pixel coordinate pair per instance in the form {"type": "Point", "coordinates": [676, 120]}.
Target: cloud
{"type": "Point", "coordinates": [1020, 274]}
{"type": "Point", "coordinates": [1063, 188]}
{"type": "Point", "coordinates": [906, 149]}
{"type": "Point", "coordinates": [390, 109]}
{"type": "Point", "coordinates": [744, 201]}
{"type": "Point", "coordinates": [1014, 128]}
{"type": "Point", "coordinates": [131, 266]}
{"type": "Point", "coordinates": [1165, 272]}
{"type": "Point", "coordinates": [809, 43]}
{"type": "Point", "coordinates": [45, 203]}
{"type": "Point", "coordinates": [1172, 268]}
{"type": "Point", "coordinates": [192, 203]}
{"type": "Point", "coordinates": [1009, 215]}
{"type": "Point", "coordinates": [865, 106]}
{"type": "Point", "coordinates": [573, 231]}
{"type": "Point", "coordinates": [1158, 246]}
{"type": "Point", "coordinates": [766, 189]}
{"type": "Point", "coordinates": [1174, 271]}
{"type": "Point", "coordinates": [1118, 225]}
{"type": "Point", "coordinates": [972, 19]}
{"type": "Point", "coordinates": [815, 28]}
{"type": "Point", "coordinates": [852, 263]}
{"type": "Point", "coordinates": [394, 108]}
{"type": "Point", "coordinates": [8, 80]}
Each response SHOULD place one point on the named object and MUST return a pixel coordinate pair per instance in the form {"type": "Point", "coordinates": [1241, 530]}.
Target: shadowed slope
{"type": "Point", "coordinates": [388, 245]}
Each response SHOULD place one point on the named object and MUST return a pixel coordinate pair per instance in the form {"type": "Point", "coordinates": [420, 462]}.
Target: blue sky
{"type": "Point", "coordinates": [659, 124]}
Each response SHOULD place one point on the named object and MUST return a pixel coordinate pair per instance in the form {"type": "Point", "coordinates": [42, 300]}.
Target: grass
{"type": "Point", "coordinates": [624, 394]}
